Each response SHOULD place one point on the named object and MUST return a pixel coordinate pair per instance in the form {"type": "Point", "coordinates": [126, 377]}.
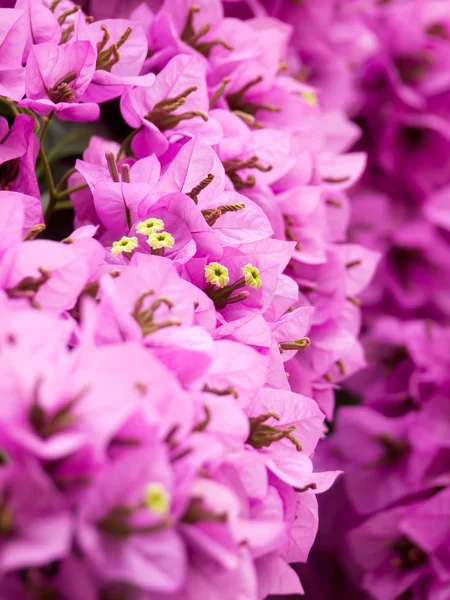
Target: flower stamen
{"type": "Point", "coordinates": [300, 344]}
{"type": "Point", "coordinates": [106, 59]}
{"type": "Point", "coordinates": [213, 214]}
{"type": "Point", "coordinates": [67, 13]}
{"type": "Point", "coordinates": [310, 97]}
{"type": "Point", "coordinates": [252, 276]}
{"type": "Point", "coordinates": [157, 499]}
{"type": "Point", "coordinates": [201, 186]}
{"type": "Point", "coordinates": [197, 512]}
{"type": "Point", "coordinates": [125, 245]}
{"type": "Point", "coordinates": [161, 114]}
{"type": "Point", "coordinates": [29, 286]}
{"type": "Point", "coordinates": [191, 37]}
{"type": "Point", "coordinates": [219, 91]}
{"type": "Point", "coordinates": [62, 91]}
{"type": "Point", "coordinates": [150, 226]}
{"type": "Point", "coordinates": [246, 109]}
{"type": "Point", "coordinates": [159, 240]}
{"type": "Point", "coordinates": [233, 165]}
{"type": "Point", "coordinates": [216, 274]}
{"type": "Point", "coordinates": [144, 317]}
{"type": "Point", "coordinates": [112, 166]}
{"type": "Point", "coordinates": [225, 392]}
{"type": "Point", "coordinates": [263, 435]}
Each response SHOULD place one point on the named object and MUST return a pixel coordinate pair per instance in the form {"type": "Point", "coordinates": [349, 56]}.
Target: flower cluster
{"type": "Point", "coordinates": [397, 482]}
{"type": "Point", "coordinates": [394, 446]}
{"type": "Point", "coordinates": [152, 445]}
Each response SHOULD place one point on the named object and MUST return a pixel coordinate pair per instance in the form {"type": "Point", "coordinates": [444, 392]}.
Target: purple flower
{"type": "Point", "coordinates": [125, 525]}
{"type": "Point", "coordinates": [57, 77]}
{"type": "Point", "coordinates": [176, 105]}
{"type": "Point", "coordinates": [13, 35]}
{"type": "Point", "coordinates": [27, 526]}
{"type": "Point", "coordinates": [403, 547]}
{"type": "Point", "coordinates": [167, 367]}
{"type": "Point", "coordinates": [41, 23]}
{"type": "Point", "coordinates": [82, 200]}
{"type": "Point", "coordinates": [21, 217]}
{"type": "Point", "coordinates": [47, 274]}
{"type": "Point", "coordinates": [121, 51]}
{"type": "Point", "coordinates": [389, 463]}
{"type": "Point", "coordinates": [19, 149]}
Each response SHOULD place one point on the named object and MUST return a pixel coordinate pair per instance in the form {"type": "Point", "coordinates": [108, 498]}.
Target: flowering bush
{"type": "Point", "coordinates": [386, 526]}
{"type": "Point", "coordinates": [152, 445]}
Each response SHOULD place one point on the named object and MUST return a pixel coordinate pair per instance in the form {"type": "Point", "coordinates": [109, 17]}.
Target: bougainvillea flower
{"type": "Point", "coordinates": [126, 529]}
{"type": "Point", "coordinates": [21, 217]}
{"type": "Point", "coordinates": [19, 149]}
{"type": "Point", "coordinates": [57, 77]}
{"type": "Point", "coordinates": [13, 36]}
{"type": "Point", "coordinates": [121, 51]}
{"type": "Point", "coordinates": [177, 103]}
{"type": "Point", "coordinates": [27, 540]}
{"type": "Point", "coordinates": [167, 365]}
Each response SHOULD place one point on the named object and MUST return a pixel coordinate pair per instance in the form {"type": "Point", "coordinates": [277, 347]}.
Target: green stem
{"type": "Point", "coordinates": [10, 104]}
{"type": "Point", "coordinates": [27, 111]}
{"type": "Point", "coordinates": [47, 170]}
{"type": "Point", "coordinates": [63, 205]}
{"type": "Point", "coordinates": [64, 178]}
{"type": "Point", "coordinates": [67, 192]}
{"type": "Point", "coordinates": [126, 142]}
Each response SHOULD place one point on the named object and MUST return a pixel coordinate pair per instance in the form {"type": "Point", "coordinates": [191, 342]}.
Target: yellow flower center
{"type": "Point", "coordinates": [150, 226]}
{"type": "Point", "coordinates": [156, 241]}
{"type": "Point", "coordinates": [252, 276]}
{"type": "Point", "coordinates": [157, 498]}
{"type": "Point", "coordinates": [217, 274]}
{"type": "Point", "coordinates": [126, 244]}
{"type": "Point", "coordinates": [310, 97]}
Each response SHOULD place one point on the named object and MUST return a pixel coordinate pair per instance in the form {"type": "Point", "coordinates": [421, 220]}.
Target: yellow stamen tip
{"type": "Point", "coordinates": [310, 97]}
{"type": "Point", "coordinates": [160, 240]}
{"type": "Point", "coordinates": [217, 274]}
{"type": "Point", "coordinates": [150, 226]}
{"type": "Point", "coordinates": [252, 276]}
{"type": "Point", "coordinates": [157, 498]}
{"type": "Point", "coordinates": [125, 244]}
